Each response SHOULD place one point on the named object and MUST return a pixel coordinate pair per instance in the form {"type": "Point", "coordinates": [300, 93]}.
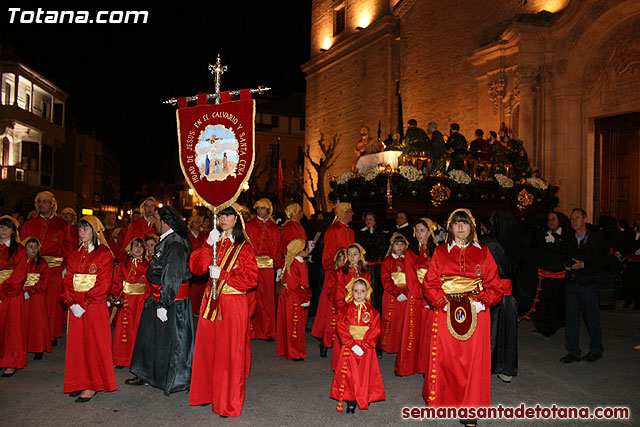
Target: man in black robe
{"type": "Point", "coordinates": [437, 147]}
{"type": "Point", "coordinates": [163, 352]}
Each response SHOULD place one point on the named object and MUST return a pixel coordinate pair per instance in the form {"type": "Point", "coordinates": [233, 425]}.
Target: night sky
{"type": "Point", "coordinates": [118, 75]}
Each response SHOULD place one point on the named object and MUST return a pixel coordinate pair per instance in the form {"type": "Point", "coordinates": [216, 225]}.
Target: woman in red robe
{"type": "Point", "coordinates": [354, 268]}
{"type": "Point", "coordinates": [293, 302]}
{"type": "Point", "coordinates": [462, 283]}
{"type": "Point", "coordinates": [324, 323]}
{"type": "Point", "coordinates": [394, 299]}
{"type": "Point", "coordinates": [358, 380]}
{"type": "Point", "coordinates": [130, 289]}
{"type": "Point", "coordinates": [37, 319]}
{"type": "Point", "coordinates": [13, 274]}
{"type": "Point", "coordinates": [89, 362]}
{"type": "Point", "coordinates": [222, 355]}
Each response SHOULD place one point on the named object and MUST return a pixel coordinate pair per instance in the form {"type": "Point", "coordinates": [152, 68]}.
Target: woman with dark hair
{"type": "Point", "coordinates": [88, 362]}
{"type": "Point", "coordinates": [13, 273]}
{"type": "Point", "coordinates": [222, 355]}
{"type": "Point", "coordinates": [417, 316]}
{"type": "Point", "coordinates": [37, 320]}
{"type": "Point", "coordinates": [129, 291]}
{"type": "Point", "coordinates": [461, 283]}
{"type": "Point", "coordinates": [505, 243]}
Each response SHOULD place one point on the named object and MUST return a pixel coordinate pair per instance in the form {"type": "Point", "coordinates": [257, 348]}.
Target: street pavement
{"type": "Point", "coordinates": [282, 393]}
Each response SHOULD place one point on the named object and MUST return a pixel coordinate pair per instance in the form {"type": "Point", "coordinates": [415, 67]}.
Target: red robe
{"type": "Point", "coordinates": [393, 311]}
{"type": "Point", "coordinates": [265, 238]}
{"type": "Point", "coordinates": [89, 362]}
{"type": "Point", "coordinates": [128, 315]}
{"type": "Point", "coordinates": [408, 358]}
{"type": "Point", "coordinates": [197, 284]}
{"type": "Point", "coordinates": [291, 230]}
{"type": "Point", "coordinates": [114, 238]}
{"type": "Point", "coordinates": [325, 311]}
{"type": "Point", "coordinates": [338, 302]}
{"type": "Point", "coordinates": [338, 236]}
{"type": "Point", "coordinates": [73, 232]}
{"type": "Point", "coordinates": [358, 378]}
{"type": "Point", "coordinates": [37, 318]}
{"type": "Point", "coordinates": [13, 339]}
{"type": "Point", "coordinates": [53, 234]}
{"type": "Point", "coordinates": [290, 340]}
{"type": "Point", "coordinates": [222, 355]}
{"type": "Point", "coordinates": [460, 371]}
{"type": "Point", "coordinates": [138, 228]}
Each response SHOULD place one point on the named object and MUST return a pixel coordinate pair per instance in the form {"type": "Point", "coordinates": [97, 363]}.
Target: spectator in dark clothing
{"type": "Point", "coordinates": [374, 240]}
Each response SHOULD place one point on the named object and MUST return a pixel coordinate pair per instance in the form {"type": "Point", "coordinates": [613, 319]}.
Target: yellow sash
{"type": "Point", "coordinates": [134, 288]}
{"type": "Point", "coordinates": [4, 274]}
{"type": "Point", "coordinates": [264, 261]}
{"type": "Point", "coordinates": [230, 290]}
{"type": "Point", "coordinates": [84, 282]}
{"type": "Point", "coordinates": [461, 285]}
{"type": "Point", "coordinates": [421, 273]}
{"type": "Point", "coordinates": [228, 261]}
{"type": "Point", "coordinates": [32, 279]}
{"type": "Point", "coordinates": [357, 332]}
{"type": "Point", "coordinates": [53, 261]}
{"type": "Point", "coordinates": [399, 278]}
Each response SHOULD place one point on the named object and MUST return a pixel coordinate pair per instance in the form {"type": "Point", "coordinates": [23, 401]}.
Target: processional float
{"type": "Point", "coordinates": [216, 143]}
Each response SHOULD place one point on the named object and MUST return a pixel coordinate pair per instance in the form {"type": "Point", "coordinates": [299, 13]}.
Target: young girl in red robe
{"type": "Point", "coordinates": [13, 274]}
{"type": "Point", "coordinates": [37, 318]}
{"type": "Point", "coordinates": [358, 380]}
{"type": "Point", "coordinates": [354, 268]}
{"type": "Point", "coordinates": [462, 284]}
{"type": "Point", "coordinates": [130, 290]}
{"type": "Point", "coordinates": [324, 324]}
{"type": "Point", "coordinates": [394, 299]}
{"type": "Point", "coordinates": [293, 302]}
{"type": "Point", "coordinates": [88, 362]}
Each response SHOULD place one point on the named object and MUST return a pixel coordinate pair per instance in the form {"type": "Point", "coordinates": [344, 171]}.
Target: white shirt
{"type": "Point", "coordinates": [52, 215]}
{"type": "Point", "coordinates": [452, 244]}
{"type": "Point", "coordinates": [7, 243]}
{"type": "Point", "coordinates": [299, 258]}
{"type": "Point", "coordinates": [87, 245]}
{"type": "Point", "coordinates": [406, 224]}
{"type": "Point", "coordinates": [166, 233]}
{"type": "Point", "coordinates": [397, 256]}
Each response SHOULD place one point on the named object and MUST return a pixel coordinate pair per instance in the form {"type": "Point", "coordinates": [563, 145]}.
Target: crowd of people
{"type": "Point", "coordinates": [149, 297]}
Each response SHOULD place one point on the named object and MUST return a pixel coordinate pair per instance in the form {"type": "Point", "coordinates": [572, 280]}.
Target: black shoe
{"type": "Point", "coordinates": [85, 399]}
{"type": "Point", "coordinates": [270, 340]}
{"type": "Point", "coordinates": [223, 416]}
{"type": "Point", "coordinates": [75, 393]}
{"type": "Point", "coordinates": [541, 335]}
{"type": "Point", "coordinates": [307, 329]}
{"type": "Point", "coordinates": [396, 373]}
{"type": "Point", "coordinates": [37, 356]}
{"type": "Point", "coordinates": [469, 423]}
{"type": "Point", "coordinates": [323, 351]}
{"type": "Point", "coordinates": [569, 358]}
{"type": "Point", "coordinates": [54, 342]}
{"type": "Point", "coordinates": [298, 360]}
{"type": "Point", "coordinates": [5, 375]}
{"type": "Point", "coordinates": [591, 357]}
{"type": "Point", "coordinates": [351, 407]}
{"type": "Point", "coordinates": [120, 367]}
{"type": "Point", "coordinates": [379, 353]}
{"type": "Point", "coordinates": [134, 381]}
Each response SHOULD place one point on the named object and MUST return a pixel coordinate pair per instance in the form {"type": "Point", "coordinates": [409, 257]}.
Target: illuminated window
{"type": "Point", "coordinates": [339, 20]}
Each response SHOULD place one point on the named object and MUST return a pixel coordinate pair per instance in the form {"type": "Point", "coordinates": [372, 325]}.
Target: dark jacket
{"type": "Point", "coordinates": [592, 251]}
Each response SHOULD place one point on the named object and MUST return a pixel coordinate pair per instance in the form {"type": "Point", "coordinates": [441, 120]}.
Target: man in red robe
{"type": "Point", "coordinates": [338, 236]}
{"type": "Point", "coordinates": [53, 232]}
{"type": "Point", "coordinates": [70, 217]}
{"type": "Point", "coordinates": [292, 229]}
{"type": "Point", "coordinates": [265, 238]}
{"type": "Point", "coordinates": [197, 237]}
{"type": "Point", "coordinates": [141, 227]}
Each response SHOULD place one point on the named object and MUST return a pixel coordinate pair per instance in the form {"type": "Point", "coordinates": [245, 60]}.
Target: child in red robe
{"type": "Point", "coordinates": [394, 299]}
{"type": "Point", "coordinates": [358, 381]}
{"type": "Point", "coordinates": [293, 302]}
{"type": "Point", "coordinates": [130, 289]}
{"type": "Point", "coordinates": [324, 324]}
{"type": "Point", "coordinates": [35, 288]}
{"type": "Point", "coordinates": [355, 268]}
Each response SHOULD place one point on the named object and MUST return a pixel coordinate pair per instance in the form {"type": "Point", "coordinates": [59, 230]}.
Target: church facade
{"type": "Point", "coordinates": [563, 75]}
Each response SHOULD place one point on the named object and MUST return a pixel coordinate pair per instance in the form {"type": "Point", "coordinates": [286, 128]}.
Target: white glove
{"type": "Point", "coordinates": [357, 350]}
{"type": "Point", "coordinates": [77, 310]}
{"type": "Point", "coordinates": [214, 237]}
{"type": "Point", "coordinates": [445, 308]}
{"type": "Point", "coordinates": [214, 271]}
{"type": "Point", "coordinates": [161, 312]}
{"type": "Point", "coordinates": [64, 273]}
{"type": "Point", "coordinates": [108, 304]}
{"type": "Point", "coordinates": [305, 304]}
{"type": "Point", "coordinates": [312, 245]}
{"type": "Point", "coordinates": [26, 296]}
{"type": "Point", "coordinates": [278, 273]}
{"type": "Point", "coordinates": [549, 238]}
{"type": "Point", "coordinates": [478, 305]}
{"type": "Point", "coordinates": [401, 297]}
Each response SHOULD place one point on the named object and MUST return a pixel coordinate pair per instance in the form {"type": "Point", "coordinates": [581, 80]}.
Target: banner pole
{"type": "Point", "coordinates": [214, 288]}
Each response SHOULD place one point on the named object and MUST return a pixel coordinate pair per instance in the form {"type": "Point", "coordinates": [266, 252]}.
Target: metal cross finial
{"type": "Point", "coordinates": [217, 70]}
